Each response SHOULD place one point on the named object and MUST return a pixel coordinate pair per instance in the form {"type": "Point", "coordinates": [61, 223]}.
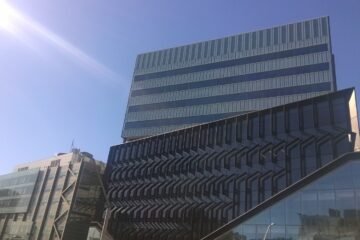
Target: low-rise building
{"type": "Point", "coordinates": [55, 198]}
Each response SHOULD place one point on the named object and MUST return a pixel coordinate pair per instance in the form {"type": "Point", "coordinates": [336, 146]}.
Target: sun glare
{"type": "Point", "coordinates": [6, 17]}
{"type": "Point", "coordinates": [22, 27]}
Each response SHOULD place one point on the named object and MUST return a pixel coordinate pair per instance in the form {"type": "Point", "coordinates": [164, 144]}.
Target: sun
{"type": "Point", "coordinates": [6, 17]}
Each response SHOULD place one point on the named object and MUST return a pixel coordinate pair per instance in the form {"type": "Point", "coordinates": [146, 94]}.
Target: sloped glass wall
{"type": "Point", "coordinates": [326, 209]}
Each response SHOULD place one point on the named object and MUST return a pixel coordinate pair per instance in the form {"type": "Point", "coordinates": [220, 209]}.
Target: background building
{"type": "Point", "coordinates": [187, 183]}
{"type": "Point", "coordinates": [56, 198]}
{"type": "Point", "coordinates": [206, 81]}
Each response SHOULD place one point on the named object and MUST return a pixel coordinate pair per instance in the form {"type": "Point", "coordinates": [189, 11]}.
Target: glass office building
{"type": "Point", "coordinates": [56, 198]}
{"type": "Point", "coordinates": [206, 81]}
{"type": "Point", "coordinates": [325, 205]}
{"type": "Point", "coordinates": [187, 183]}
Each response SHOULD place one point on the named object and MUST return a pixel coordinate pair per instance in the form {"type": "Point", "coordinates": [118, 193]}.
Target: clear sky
{"type": "Point", "coordinates": [66, 66]}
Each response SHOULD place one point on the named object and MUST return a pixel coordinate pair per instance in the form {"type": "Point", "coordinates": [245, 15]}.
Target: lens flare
{"type": "Point", "coordinates": [22, 27]}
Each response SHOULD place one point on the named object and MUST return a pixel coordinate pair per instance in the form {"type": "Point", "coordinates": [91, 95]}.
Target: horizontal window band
{"type": "Point", "coordinates": [234, 97]}
{"type": "Point", "coordinates": [234, 62]}
{"type": "Point", "coordinates": [235, 79]}
{"type": "Point", "coordinates": [180, 120]}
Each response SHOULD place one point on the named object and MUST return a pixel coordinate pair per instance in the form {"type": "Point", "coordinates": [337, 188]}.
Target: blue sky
{"type": "Point", "coordinates": [66, 66]}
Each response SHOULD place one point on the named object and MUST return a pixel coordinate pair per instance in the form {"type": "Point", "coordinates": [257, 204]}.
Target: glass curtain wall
{"type": "Point", "coordinates": [326, 209]}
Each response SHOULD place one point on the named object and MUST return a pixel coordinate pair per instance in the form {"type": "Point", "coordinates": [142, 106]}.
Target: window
{"type": "Point", "coordinates": [316, 28]}
{"type": "Point", "coordinates": [193, 51]}
{"type": "Point", "coordinates": [141, 59]}
{"type": "Point", "coordinates": [173, 143]}
{"type": "Point", "coordinates": [195, 138]}
{"type": "Point", "coordinates": [283, 34]}
{"type": "Point", "coordinates": [180, 141]}
{"type": "Point", "coordinates": [146, 60]}
{"type": "Point", "coordinates": [276, 36]}
{"type": "Point", "coordinates": [261, 38]}
{"type": "Point", "coordinates": [323, 111]}
{"type": "Point", "coordinates": [23, 169]}
{"type": "Point", "coordinates": [218, 48]}
{"type": "Point", "coordinates": [164, 56]}
{"type": "Point", "coordinates": [226, 42]}
{"type": "Point", "coordinates": [253, 127]}
{"type": "Point", "coordinates": [238, 129]}
{"type": "Point", "coordinates": [253, 40]}
{"type": "Point", "coordinates": [155, 55]}
{"type": "Point", "coordinates": [211, 134]}
{"type": "Point", "coordinates": [220, 133]}
{"type": "Point", "coordinates": [240, 40]}
{"type": "Point", "coordinates": [268, 37]}
{"type": "Point", "coordinates": [159, 145]}
{"type": "Point", "coordinates": [160, 54]}
{"type": "Point", "coordinates": [228, 136]}
{"type": "Point", "coordinates": [150, 59]}
{"type": "Point", "coordinates": [134, 150]}
{"type": "Point", "coordinates": [232, 44]}
{"type": "Point", "coordinates": [176, 55]}
{"type": "Point", "coordinates": [166, 143]}
{"type": "Point", "coordinates": [308, 116]}
{"type": "Point", "coordinates": [181, 54]}
{"type": "Point", "coordinates": [307, 30]}
{"type": "Point", "coordinates": [212, 47]}
{"type": "Point", "coordinates": [291, 32]}
{"type": "Point", "coordinates": [187, 140]}
{"type": "Point", "coordinates": [340, 112]}
{"type": "Point", "coordinates": [170, 55]}
{"type": "Point", "coordinates": [324, 27]}
{"type": "Point", "coordinates": [267, 125]}
{"type": "Point", "coordinates": [310, 158]}
{"type": "Point", "coordinates": [55, 163]}
{"type": "Point", "coordinates": [187, 49]}
{"type": "Point", "coordinates": [280, 122]}
{"type": "Point", "coordinates": [293, 119]}
{"type": "Point", "coordinates": [247, 36]}
{"type": "Point", "coordinates": [299, 31]}
{"type": "Point", "coordinates": [199, 46]}
{"type": "Point", "coordinates": [326, 152]}
{"type": "Point", "coordinates": [295, 163]}
{"type": "Point", "coordinates": [203, 134]}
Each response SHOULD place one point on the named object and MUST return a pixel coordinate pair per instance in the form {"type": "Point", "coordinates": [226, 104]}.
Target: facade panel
{"type": "Point", "coordinates": [229, 69]}
{"type": "Point", "coordinates": [185, 184]}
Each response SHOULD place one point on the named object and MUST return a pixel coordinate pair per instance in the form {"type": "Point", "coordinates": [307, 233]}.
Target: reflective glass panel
{"type": "Point", "coordinates": [323, 209]}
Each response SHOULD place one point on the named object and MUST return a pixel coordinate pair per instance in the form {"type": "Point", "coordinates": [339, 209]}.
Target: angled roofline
{"type": "Point", "coordinates": [345, 158]}
{"type": "Point", "coordinates": [345, 91]}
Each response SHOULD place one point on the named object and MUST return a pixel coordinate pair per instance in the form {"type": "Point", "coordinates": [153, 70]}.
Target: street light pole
{"type": "Point", "coordinates": [267, 230]}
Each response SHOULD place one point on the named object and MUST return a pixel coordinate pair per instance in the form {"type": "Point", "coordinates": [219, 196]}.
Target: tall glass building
{"type": "Point", "coordinates": [56, 198]}
{"type": "Point", "coordinates": [183, 86]}
{"type": "Point", "coordinates": [187, 183]}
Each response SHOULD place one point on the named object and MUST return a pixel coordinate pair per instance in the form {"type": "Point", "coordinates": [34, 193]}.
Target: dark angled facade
{"type": "Point", "coordinates": [206, 81]}
{"type": "Point", "coordinates": [187, 183]}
